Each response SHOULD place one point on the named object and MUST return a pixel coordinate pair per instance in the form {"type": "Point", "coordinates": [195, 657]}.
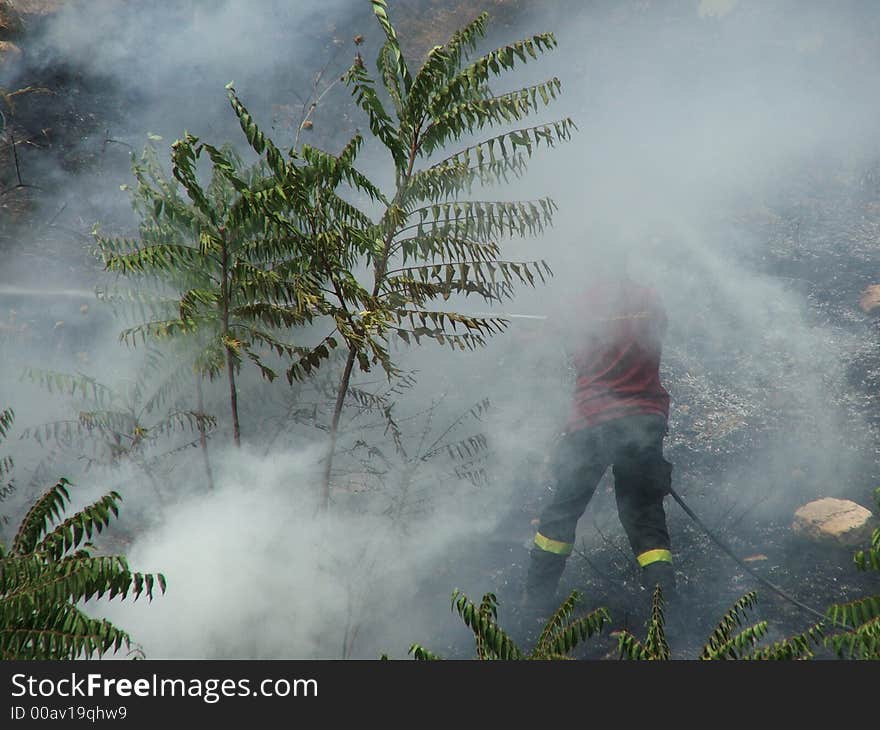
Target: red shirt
{"type": "Point", "coordinates": [617, 355]}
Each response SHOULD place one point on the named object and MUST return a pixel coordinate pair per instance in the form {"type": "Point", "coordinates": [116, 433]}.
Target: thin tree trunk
{"type": "Point", "coordinates": [378, 277]}
{"type": "Point", "coordinates": [230, 366]}
{"type": "Point", "coordinates": [334, 426]}
{"type": "Point", "coordinates": [203, 436]}
{"type": "Point", "coordinates": [233, 400]}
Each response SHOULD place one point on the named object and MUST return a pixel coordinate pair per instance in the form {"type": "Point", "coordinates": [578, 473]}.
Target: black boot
{"type": "Point", "coordinates": [675, 622]}
{"type": "Point", "coordinates": [539, 600]}
{"type": "Point", "coordinates": [660, 573]}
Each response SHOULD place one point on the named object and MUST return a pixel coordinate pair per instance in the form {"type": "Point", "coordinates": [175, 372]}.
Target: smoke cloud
{"type": "Point", "coordinates": [724, 145]}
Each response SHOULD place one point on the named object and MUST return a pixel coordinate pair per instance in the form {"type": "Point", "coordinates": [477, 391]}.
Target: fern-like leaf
{"type": "Point", "coordinates": [728, 623]}
{"type": "Point", "coordinates": [46, 575]}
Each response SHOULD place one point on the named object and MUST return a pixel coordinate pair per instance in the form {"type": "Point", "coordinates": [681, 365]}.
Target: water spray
{"type": "Point", "coordinates": [7, 290]}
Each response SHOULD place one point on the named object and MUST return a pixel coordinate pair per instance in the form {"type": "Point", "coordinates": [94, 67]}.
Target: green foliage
{"type": "Point", "coordinates": [221, 274]}
{"type": "Point", "coordinates": [237, 264]}
{"type": "Point", "coordinates": [325, 232]}
{"type": "Point", "coordinates": [799, 646]}
{"type": "Point", "coordinates": [49, 569]}
{"type": "Point", "coordinates": [561, 634]}
{"type": "Point", "coordinates": [559, 637]}
{"type": "Point", "coordinates": [724, 642]}
{"type": "Point", "coordinates": [655, 645]}
{"type": "Point", "coordinates": [860, 619]}
{"type": "Point", "coordinates": [7, 483]}
{"type": "Point", "coordinates": [429, 459]}
{"type": "Point", "coordinates": [134, 421]}
{"type": "Point", "coordinates": [429, 241]}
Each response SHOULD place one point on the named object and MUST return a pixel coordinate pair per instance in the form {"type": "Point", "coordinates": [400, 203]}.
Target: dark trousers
{"type": "Point", "coordinates": [633, 446]}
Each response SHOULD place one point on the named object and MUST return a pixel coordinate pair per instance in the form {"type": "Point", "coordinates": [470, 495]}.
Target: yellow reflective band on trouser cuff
{"type": "Point", "coordinates": [553, 546]}
{"type": "Point", "coordinates": [654, 556]}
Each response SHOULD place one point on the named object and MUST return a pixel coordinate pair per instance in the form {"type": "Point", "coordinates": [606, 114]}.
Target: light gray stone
{"type": "Point", "coordinates": [834, 520]}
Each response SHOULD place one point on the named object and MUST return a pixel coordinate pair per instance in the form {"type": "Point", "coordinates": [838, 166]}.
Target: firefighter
{"type": "Point", "coordinates": [618, 419]}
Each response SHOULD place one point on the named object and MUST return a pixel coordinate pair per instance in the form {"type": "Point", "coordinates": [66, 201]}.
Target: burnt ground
{"type": "Point", "coordinates": [820, 239]}
{"type": "Point", "coordinates": [603, 572]}
{"type": "Point", "coordinates": [824, 248]}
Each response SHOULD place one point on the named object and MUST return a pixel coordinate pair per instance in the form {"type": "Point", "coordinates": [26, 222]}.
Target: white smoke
{"type": "Point", "coordinates": [696, 121]}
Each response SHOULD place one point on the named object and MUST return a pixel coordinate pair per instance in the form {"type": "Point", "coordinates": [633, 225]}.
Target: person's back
{"type": "Point", "coordinates": [620, 326]}
{"type": "Point", "coordinates": [618, 418]}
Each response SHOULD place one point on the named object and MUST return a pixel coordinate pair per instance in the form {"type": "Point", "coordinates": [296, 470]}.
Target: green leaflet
{"type": "Point", "coordinates": [859, 620]}
{"type": "Point", "coordinates": [49, 570]}
{"type": "Point", "coordinates": [124, 421]}
{"type": "Point", "coordinates": [560, 636]}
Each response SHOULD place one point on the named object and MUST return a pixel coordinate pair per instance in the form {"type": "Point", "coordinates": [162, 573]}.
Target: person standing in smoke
{"type": "Point", "coordinates": [618, 419]}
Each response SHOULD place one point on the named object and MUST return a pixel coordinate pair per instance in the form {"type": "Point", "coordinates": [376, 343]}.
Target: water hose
{"type": "Point", "coordinates": [757, 576]}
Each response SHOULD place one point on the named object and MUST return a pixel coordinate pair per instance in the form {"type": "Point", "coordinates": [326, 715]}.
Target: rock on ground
{"type": "Point", "coordinates": [834, 520]}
